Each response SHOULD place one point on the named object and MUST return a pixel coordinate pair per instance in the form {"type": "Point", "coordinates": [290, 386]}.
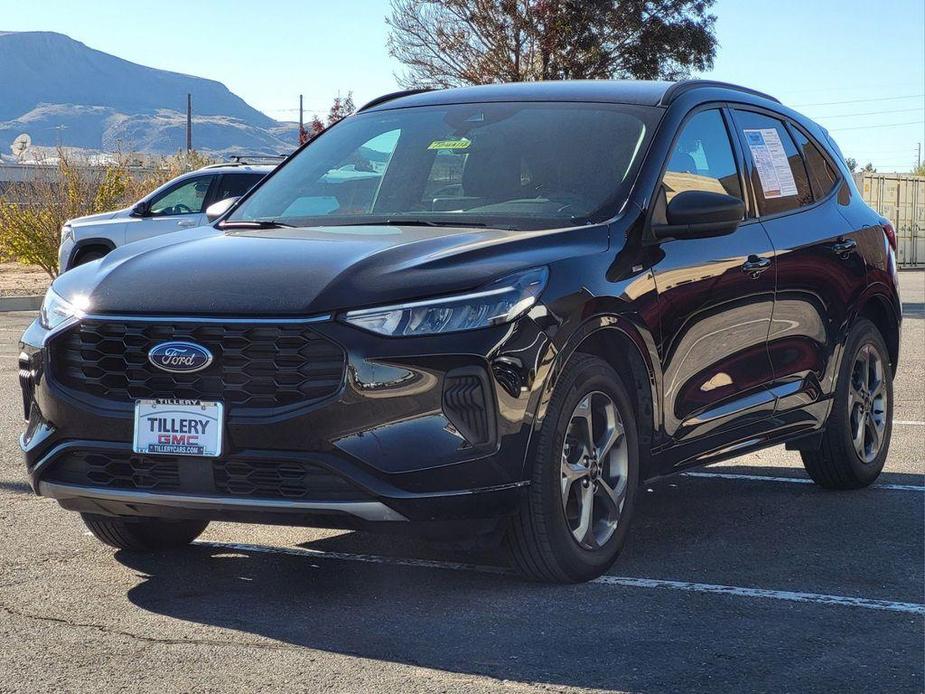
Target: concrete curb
{"type": "Point", "coordinates": [20, 303]}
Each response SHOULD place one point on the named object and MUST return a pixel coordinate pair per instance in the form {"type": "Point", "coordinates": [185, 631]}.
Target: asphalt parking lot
{"type": "Point", "coordinates": [742, 577]}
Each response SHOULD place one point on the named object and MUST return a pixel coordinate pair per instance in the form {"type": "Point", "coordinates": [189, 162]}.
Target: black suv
{"type": "Point", "coordinates": [489, 310]}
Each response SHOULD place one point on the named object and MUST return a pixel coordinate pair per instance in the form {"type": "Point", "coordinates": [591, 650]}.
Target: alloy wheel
{"type": "Point", "coordinates": [595, 462]}
{"type": "Point", "coordinates": [867, 403]}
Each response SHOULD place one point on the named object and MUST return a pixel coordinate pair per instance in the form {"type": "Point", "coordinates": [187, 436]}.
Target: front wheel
{"type": "Point", "coordinates": [143, 534]}
{"type": "Point", "coordinates": [857, 435]}
{"type": "Point", "coordinates": [572, 524]}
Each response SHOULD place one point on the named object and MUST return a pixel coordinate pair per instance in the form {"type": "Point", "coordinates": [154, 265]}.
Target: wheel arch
{"type": "Point", "coordinates": [879, 310]}
{"type": "Point", "coordinates": [87, 245]}
{"type": "Point", "coordinates": [632, 354]}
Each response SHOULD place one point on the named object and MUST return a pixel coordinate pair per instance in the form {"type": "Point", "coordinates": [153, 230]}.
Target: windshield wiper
{"type": "Point", "coordinates": [254, 224]}
{"type": "Point", "coordinates": [396, 222]}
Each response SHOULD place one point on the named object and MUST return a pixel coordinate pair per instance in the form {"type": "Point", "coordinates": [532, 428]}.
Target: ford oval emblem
{"type": "Point", "coordinates": [180, 357]}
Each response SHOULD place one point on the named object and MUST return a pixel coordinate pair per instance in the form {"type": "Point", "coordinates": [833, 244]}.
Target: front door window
{"type": "Point", "coordinates": [186, 198]}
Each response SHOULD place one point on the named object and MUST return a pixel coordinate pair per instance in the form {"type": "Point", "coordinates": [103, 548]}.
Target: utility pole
{"type": "Point", "coordinates": [918, 156]}
{"type": "Point", "coordinates": [300, 113]}
{"type": "Point", "coordinates": [189, 123]}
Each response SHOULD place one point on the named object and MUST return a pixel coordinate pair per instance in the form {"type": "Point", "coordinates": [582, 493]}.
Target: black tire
{"type": "Point", "coordinates": [540, 539]}
{"type": "Point", "coordinates": [836, 464]}
{"type": "Point", "coordinates": [88, 256]}
{"type": "Point", "coordinates": [143, 534]}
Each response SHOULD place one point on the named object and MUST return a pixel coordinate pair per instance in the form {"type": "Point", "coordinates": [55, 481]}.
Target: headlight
{"type": "Point", "coordinates": [500, 302]}
{"type": "Point", "coordinates": [56, 312]}
{"type": "Point", "coordinates": [67, 233]}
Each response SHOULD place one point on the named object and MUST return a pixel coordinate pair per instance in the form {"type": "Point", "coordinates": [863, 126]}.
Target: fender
{"type": "Point", "coordinates": [558, 356]}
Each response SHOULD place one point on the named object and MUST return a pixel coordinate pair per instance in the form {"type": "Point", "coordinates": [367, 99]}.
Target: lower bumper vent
{"type": "Point", "coordinates": [468, 405]}
{"type": "Point", "coordinates": [288, 480]}
{"type": "Point", "coordinates": [255, 479]}
{"type": "Point", "coordinates": [116, 471]}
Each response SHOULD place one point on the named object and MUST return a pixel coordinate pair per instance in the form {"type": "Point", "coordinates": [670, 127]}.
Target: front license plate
{"type": "Point", "coordinates": [178, 427]}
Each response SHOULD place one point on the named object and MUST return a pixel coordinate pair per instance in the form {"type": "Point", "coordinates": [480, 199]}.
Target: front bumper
{"type": "Point", "coordinates": [65, 250]}
{"type": "Point", "coordinates": [387, 447]}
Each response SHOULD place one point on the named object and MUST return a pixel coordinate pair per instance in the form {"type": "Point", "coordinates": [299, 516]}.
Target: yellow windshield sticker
{"type": "Point", "coordinates": [462, 143]}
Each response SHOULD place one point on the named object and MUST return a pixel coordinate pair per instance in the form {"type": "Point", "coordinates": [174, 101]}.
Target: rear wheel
{"type": "Point", "coordinates": [857, 436]}
{"type": "Point", "coordinates": [143, 534]}
{"type": "Point", "coordinates": [573, 522]}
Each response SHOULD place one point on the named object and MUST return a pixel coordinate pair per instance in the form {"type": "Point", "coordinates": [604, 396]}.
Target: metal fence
{"type": "Point", "coordinates": [901, 199]}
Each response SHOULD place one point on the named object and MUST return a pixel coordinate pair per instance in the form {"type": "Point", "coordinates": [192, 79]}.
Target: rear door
{"type": "Point", "coordinates": [820, 271]}
{"type": "Point", "coordinates": [181, 206]}
{"type": "Point", "coordinates": [715, 297]}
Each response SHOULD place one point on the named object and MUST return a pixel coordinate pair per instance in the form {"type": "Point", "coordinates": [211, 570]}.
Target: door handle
{"type": "Point", "coordinates": [186, 223]}
{"type": "Point", "coordinates": [754, 266]}
{"type": "Point", "coordinates": [844, 246]}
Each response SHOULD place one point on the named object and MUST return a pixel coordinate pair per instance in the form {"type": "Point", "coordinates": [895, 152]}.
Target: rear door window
{"type": "Point", "coordinates": [235, 185]}
{"type": "Point", "coordinates": [822, 176]}
{"type": "Point", "coordinates": [777, 171]}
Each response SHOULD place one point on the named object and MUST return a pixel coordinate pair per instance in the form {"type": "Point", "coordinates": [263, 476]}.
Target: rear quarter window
{"type": "Point", "coordinates": [822, 176]}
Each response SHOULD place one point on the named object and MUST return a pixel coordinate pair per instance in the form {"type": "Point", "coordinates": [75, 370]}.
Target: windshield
{"type": "Point", "coordinates": [505, 165]}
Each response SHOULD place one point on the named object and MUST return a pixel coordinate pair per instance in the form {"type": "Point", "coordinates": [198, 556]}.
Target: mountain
{"type": "Point", "coordinates": [60, 91]}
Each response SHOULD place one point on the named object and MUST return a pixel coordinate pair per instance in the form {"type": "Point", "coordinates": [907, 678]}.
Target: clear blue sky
{"type": "Point", "coordinates": [809, 53]}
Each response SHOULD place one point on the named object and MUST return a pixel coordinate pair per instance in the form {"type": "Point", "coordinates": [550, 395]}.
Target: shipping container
{"type": "Point", "coordinates": [901, 199]}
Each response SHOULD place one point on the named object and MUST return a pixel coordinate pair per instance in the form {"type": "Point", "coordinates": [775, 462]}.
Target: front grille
{"type": "Point", "coordinates": [261, 366]}
{"type": "Point", "coordinates": [255, 479]}
{"type": "Point", "coordinates": [116, 471]}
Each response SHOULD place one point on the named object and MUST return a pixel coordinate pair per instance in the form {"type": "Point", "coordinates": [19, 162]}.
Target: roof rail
{"type": "Point", "coordinates": [679, 88]}
{"type": "Point", "coordinates": [250, 158]}
{"type": "Point", "coordinates": [392, 95]}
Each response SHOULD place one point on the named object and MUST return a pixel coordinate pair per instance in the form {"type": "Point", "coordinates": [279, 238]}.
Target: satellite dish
{"type": "Point", "coordinates": [21, 144]}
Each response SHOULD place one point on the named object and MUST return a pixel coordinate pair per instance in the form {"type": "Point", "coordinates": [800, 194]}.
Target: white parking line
{"type": "Point", "coordinates": [625, 581]}
{"type": "Point", "coordinates": [795, 480]}
{"type": "Point", "coordinates": [909, 422]}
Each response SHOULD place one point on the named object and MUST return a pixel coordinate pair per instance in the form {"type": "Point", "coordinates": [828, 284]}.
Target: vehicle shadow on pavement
{"type": "Point", "coordinates": [779, 536]}
{"type": "Point", "coordinates": [913, 309]}
{"type": "Point", "coordinates": [16, 487]}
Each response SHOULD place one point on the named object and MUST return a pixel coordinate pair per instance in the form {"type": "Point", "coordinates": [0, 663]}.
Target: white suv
{"type": "Point", "coordinates": [176, 205]}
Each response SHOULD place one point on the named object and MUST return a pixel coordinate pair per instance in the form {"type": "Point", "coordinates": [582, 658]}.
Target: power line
{"type": "Point", "coordinates": [869, 113]}
{"type": "Point", "coordinates": [862, 101]}
{"type": "Point", "coordinates": [887, 151]}
{"type": "Point", "coordinates": [881, 125]}
{"type": "Point", "coordinates": [853, 87]}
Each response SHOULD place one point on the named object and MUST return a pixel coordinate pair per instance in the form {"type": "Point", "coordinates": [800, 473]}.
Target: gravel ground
{"type": "Point", "coordinates": [22, 280]}
{"type": "Point", "coordinates": [728, 584]}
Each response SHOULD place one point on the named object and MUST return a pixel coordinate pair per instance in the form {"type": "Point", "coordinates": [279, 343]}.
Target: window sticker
{"type": "Point", "coordinates": [771, 162]}
{"type": "Point", "coordinates": [461, 143]}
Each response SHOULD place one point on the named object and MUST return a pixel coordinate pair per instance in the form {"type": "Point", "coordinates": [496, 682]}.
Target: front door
{"type": "Point", "coordinates": [179, 207]}
{"type": "Point", "coordinates": [715, 295]}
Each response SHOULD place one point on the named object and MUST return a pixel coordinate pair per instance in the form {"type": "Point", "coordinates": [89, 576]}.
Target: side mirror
{"type": "Point", "coordinates": [217, 209]}
{"type": "Point", "coordinates": [700, 214]}
{"type": "Point", "coordinates": [141, 209]}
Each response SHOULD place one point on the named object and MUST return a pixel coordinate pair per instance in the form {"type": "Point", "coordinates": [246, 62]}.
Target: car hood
{"type": "Point", "coordinates": [97, 218]}
{"type": "Point", "coordinates": [310, 270]}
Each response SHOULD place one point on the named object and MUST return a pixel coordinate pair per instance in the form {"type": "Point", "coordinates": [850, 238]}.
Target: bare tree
{"type": "Point", "coordinates": [448, 43]}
